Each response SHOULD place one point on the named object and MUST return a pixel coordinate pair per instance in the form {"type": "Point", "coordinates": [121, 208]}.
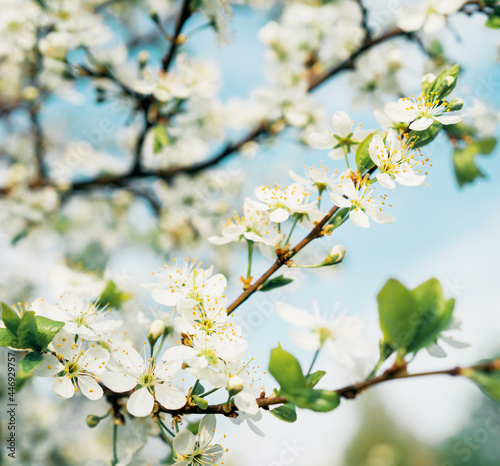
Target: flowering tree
{"type": "Point", "coordinates": [160, 168]}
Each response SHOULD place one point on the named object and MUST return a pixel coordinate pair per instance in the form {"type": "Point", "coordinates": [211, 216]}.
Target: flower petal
{"type": "Point", "coordinates": [140, 403]}
{"type": "Point", "coordinates": [90, 388]}
{"type": "Point", "coordinates": [118, 382]}
{"type": "Point", "coordinates": [169, 397]}
{"type": "Point", "coordinates": [63, 387]}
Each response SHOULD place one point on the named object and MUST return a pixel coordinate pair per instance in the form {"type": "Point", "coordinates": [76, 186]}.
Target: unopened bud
{"type": "Point", "coordinates": [92, 420]}
{"type": "Point", "coordinates": [154, 16]}
{"type": "Point", "coordinates": [155, 331]}
{"type": "Point", "coordinates": [427, 81]}
{"type": "Point", "coordinates": [143, 58]}
{"type": "Point", "coordinates": [30, 93]}
{"type": "Point", "coordinates": [335, 256]}
{"type": "Point", "coordinates": [235, 385]}
{"type": "Point", "coordinates": [455, 104]}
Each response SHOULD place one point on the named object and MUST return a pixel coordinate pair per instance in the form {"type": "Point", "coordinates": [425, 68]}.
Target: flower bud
{"type": "Point", "coordinates": [455, 104]}
{"type": "Point", "coordinates": [92, 420]}
{"type": "Point", "coordinates": [143, 58]}
{"type": "Point", "coordinates": [154, 16]}
{"type": "Point", "coordinates": [427, 81]}
{"type": "Point", "coordinates": [155, 331]}
{"type": "Point", "coordinates": [235, 385]}
{"type": "Point", "coordinates": [335, 256]}
{"type": "Point", "coordinates": [30, 93]}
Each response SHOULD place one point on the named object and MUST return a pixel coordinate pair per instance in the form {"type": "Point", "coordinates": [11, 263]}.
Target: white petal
{"type": "Point", "coordinates": [359, 218]}
{"type": "Point", "coordinates": [63, 387]}
{"type": "Point", "coordinates": [337, 153]}
{"type": "Point", "coordinates": [140, 403]}
{"type": "Point", "coordinates": [94, 360]}
{"type": "Point", "coordinates": [304, 339]}
{"type": "Point", "coordinates": [246, 403]}
{"type": "Point", "coordinates": [180, 353]}
{"type": "Point", "coordinates": [410, 19]}
{"type": "Point", "coordinates": [421, 124]}
{"type": "Point", "coordinates": [396, 111]}
{"type": "Point", "coordinates": [90, 388]}
{"type": "Point", "coordinates": [436, 351]}
{"type": "Point", "coordinates": [165, 297]}
{"type": "Point", "coordinates": [215, 285]}
{"type": "Point", "coordinates": [207, 429]}
{"type": "Point", "coordinates": [338, 354]}
{"type": "Point", "coordinates": [48, 367]}
{"type": "Point", "coordinates": [339, 200]}
{"type": "Point", "coordinates": [295, 316]}
{"type": "Point", "coordinates": [449, 119]}
{"type": "Point", "coordinates": [118, 382]}
{"type": "Point", "coordinates": [454, 343]}
{"type": "Point", "coordinates": [184, 442]}
{"type": "Point", "coordinates": [342, 124]}
{"type": "Point", "coordinates": [320, 140]}
{"type": "Point", "coordinates": [169, 397]}
{"type": "Point", "coordinates": [434, 23]}
{"type": "Point", "coordinates": [386, 181]}
{"type": "Point", "coordinates": [380, 217]}
{"type": "Point", "coordinates": [279, 215]}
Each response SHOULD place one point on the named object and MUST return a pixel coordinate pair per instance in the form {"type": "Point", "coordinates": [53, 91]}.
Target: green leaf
{"type": "Point", "coordinates": [286, 370]}
{"type": "Point", "coordinates": [313, 379]}
{"type": "Point", "coordinates": [273, 283]}
{"type": "Point", "coordinates": [30, 361]}
{"type": "Point", "coordinates": [395, 307]}
{"type": "Point", "coordinates": [200, 402]}
{"type": "Point", "coordinates": [488, 382]}
{"type": "Point", "coordinates": [198, 389]}
{"type": "Point", "coordinates": [7, 338]}
{"type": "Point", "coordinates": [47, 330]}
{"type": "Point", "coordinates": [362, 157]}
{"type": "Point", "coordinates": [10, 318]}
{"type": "Point", "coordinates": [316, 400]}
{"type": "Point", "coordinates": [286, 412]}
{"type": "Point", "coordinates": [439, 87]}
{"type": "Point", "coordinates": [413, 319]}
{"type": "Point", "coordinates": [434, 313]}
{"type": "Point", "coordinates": [422, 138]}
{"type": "Point", "coordinates": [464, 160]}
{"type": "Point", "coordinates": [161, 138]}
{"type": "Point", "coordinates": [113, 296]}
{"type": "Point", "coordinates": [27, 333]}
{"type": "Point", "coordinates": [493, 20]}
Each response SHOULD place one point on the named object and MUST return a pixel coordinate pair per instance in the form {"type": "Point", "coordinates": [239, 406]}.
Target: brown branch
{"type": "Point", "coordinates": [316, 232]}
{"type": "Point", "coordinates": [348, 392]}
{"type": "Point", "coordinates": [184, 15]}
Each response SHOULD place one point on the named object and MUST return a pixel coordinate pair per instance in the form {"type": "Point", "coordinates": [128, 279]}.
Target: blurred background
{"type": "Point", "coordinates": [441, 231]}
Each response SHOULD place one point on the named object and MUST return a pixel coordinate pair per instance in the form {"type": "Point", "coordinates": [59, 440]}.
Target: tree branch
{"type": "Point", "coordinates": [184, 15]}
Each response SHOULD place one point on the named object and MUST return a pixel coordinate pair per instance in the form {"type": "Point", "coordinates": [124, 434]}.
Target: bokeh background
{"type": "Point", "coordinates": [441, 231]}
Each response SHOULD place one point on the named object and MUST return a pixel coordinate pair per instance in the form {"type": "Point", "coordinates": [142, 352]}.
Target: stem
{"type": "Point", "coordinates": [114, 462]}
{"type": "Point", "coordinates": [346, 152]}
{"type": "Point", "coordinates": [281, 259]}
{"type": "Point", "coordinates": [165, 427]}
{"type": "Point", "coordinates": [184, 15]}
{"type": "Point", "coordinates": [208, 393]}
{"type": "Point", "coordinates": [250, 253]}
{"type": "Point", "coordinates": [375, 369]}
{"type": "Point", "coordinates": [313, 361]}
{"type": "Point", "coordinates": [291, 229]}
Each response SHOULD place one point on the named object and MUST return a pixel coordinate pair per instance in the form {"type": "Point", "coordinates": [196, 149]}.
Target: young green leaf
{"type": "Point", "coordinates": [286, 412]}
{"type": "Point", "coordinates": [313, 379]}
{"type": "Point", "coordinates": [30, 361]}
{"type": "Point", "coordinates": [286, 370]}
{"type": "Point", "coordinates": [200, 402]}
{"type": "Point", "coordinates": [273, 283]}
{"type": "Point", "coordinates": [10, 318]}
{"type": "Point", "coordinates": [316, 400]}
{"type": "Point", "coordinates": [362, 157]}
